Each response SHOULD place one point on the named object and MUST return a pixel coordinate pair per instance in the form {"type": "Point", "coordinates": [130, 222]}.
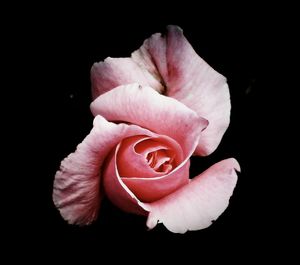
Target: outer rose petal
{"type": "Point", "coordinates": [146, 107]}
{"type": "Point", "coordinates": [197, 204]}
{"type": "Point", "coordinates": [77, 191]}
{"type": "Point", "coordinates": [191, 80]}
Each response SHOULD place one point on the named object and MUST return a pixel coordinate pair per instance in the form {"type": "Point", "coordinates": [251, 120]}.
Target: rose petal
{"type": "Point", "coordinates": [145, 147]}
{"type": "Point", "coordinates": [191, 80]}
{"type": "Point", "coordinates": [114, 72]}
{"type": "Point", "coordinates": [198, 203]}
{"type": "Point", "coordinates": [77, 192]}
{"type": "Point", "coordinates": [200, 87]}
{"type": "Point", "coordinates": [146, 107]}
{"type": "Point", "coordinates": [152, 55]}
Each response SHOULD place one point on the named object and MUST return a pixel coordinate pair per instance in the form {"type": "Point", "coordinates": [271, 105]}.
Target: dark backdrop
{"type": "Point", "coordinates": [60, 48]}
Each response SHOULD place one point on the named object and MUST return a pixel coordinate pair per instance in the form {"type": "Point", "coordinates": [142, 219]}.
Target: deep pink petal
{"type": "Point", "coordinates": [151, 145]}
{"type": "Point", "coordinates": [129, 194]}
{"type": "Point", "coordinates": [144, 179]}
{"type": "Point", "coordinates": [132, 155]}
{"type": "Point", "coordinates": [147, 108]}
{"type": "Point", "coordinates": [130, 164]}
{"type": "Point", "coordinates": [152, 189]}
{"type": "Point", "coordinates": [198, 203]}
{"type": "Point", "coordinates": [117, 192]}
{"type": "Point", "coordinates": [77, 185]}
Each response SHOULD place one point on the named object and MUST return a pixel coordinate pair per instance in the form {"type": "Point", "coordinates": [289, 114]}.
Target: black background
{"type": "Point", "coordinates": [60, 45]}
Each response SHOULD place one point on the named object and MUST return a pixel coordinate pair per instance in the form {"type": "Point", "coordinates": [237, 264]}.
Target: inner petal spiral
{"type": "Point", "coordinates": [143, 156]}
{"type": "Point", "coordinates": [151, 167]}
{"type": "Point", "coordinates": [160, 160]}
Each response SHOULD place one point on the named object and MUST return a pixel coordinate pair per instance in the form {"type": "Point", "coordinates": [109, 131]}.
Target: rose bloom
{"type": "Point", "coordinates": [153, 111]}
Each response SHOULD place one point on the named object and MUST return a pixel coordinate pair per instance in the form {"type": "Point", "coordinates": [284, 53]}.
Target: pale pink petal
{"type": "Point", "coordinates": [152, 55]}
{"type": "Point", "coordinates": [197, 204]}
{"type": "Point", "coordinates": [114, 72]}
{"type": "Point", "coordinates": [77, 190]}
{"type": "Point", "coordinates": [189, 79]}
{"type": "Point", "coordinates": [149, 109]}
{"type": "Point", "coordinates": [200, 87]}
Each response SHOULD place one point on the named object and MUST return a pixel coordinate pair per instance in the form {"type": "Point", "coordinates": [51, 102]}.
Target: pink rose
{"type": "Point", "coordinates": [153, 111]}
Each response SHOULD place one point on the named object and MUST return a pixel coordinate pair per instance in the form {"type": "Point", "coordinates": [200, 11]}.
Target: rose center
{"type": "Point", "coordinates": [160, 160]}
{"type": "Point", "coordinates": [142, 156]}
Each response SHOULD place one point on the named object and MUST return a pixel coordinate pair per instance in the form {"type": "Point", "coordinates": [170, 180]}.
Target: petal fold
{"type": "Point", "coordinates": [114, 72]}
